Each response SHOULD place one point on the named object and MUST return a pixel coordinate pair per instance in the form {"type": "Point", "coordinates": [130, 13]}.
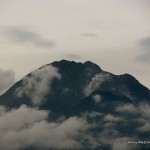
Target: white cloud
{"type": "Point", "coordinates": [92, 114]}
{"type": "Point", "coordinates": [24, 116]}
{"type": "Point", "coordinates": [111, 118]}
{"type": "Point", "coordinates": [122, 144]}
{"type": "Point", "coordinates": [28, 126]}
{"type": "Point", "coordinates": [145, 118]}
{"type": "Point", "coordinates": [7, 79]}
{"type": "Point", "coordinates": [38, 84]}
{"type": "Point", "coordinates": [2, 110]}
{"type": "Point", "coordinates": [46, 134]}
{"type": "Point", "coordinates": [97, 80]}
{"type": "Point", "coordinates": [145, 109]}
{"type": "Point", "coordinates": [127, 108]}
{"type": "Point", "coordinates": [97, 98]}
{"type": "Point", "coordinates": [16, 120]}
{"type": "Point", "coordinates": [143, 114]}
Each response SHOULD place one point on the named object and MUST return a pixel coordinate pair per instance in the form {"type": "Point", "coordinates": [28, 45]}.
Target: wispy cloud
{"type": "Point", "coordinates": [38, 84]}
{"type": "Point", "coordinates": [140, 112]}
{"type": "Point", "coordinates": [22, 35]}
{"type": "Point", "coordinates": [73, 56]}
{"type": "Point", "coordinates": [96, 81]}
{"type": "Point", "coordinates": [144, 44]}
{"type": "Point", "coordinates": [111, 118]}
{"type": "Point", "coordinates": [7, 79]}
{"type": "Point", "coordinates": [97, 98]}
{"type": "Point", "coordinates": [90, 35]}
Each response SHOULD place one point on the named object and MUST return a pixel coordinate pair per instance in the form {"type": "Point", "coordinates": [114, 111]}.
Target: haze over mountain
{"type": "Point", "coordinates": [66, 104]}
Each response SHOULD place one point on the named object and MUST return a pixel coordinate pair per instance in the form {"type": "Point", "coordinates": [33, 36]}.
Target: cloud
{"type": "Point", "coordinates": [90, 35]}
{"type": "Point", "coordinates": [145, 109]}
{"type": "Point", "coordinates": [38, 84]}
{"type": "Point", "coordinates": [145, 127]}
{"type": "Point", "coordinates": [18, 118]}
{"type": "Point", "coordinates": [111, 118]}
{"type": "Point", "coordinates": [144, 44]}
{"type": "Point", "coordinates": [73, 56]}
{"type": "Point", "coordinates": [141, 115]}
{"type": "Point", "coordinates": [44, 134]}
{"type": "Point", "coordinates": [128, 109]}
{"type": "Point", "coordinates": [92, 114]}
{"type": "Point", "coordinates": [7, 79]}
{"type": "Point", "coordinates": [142, 109]}
{"type": "Point", "coordinates": [97, 80]}
{"type": "Point", "coordinates": [26, 126]}
{"type": "Point", "coordinates": [122, 143]}
{"type": "Point", "coordinates": [22, 35]}
{"type": "Point", "coordinates": [145, 118]}
{"type": "Point", "coordinates": [2, 110]}
{"type": "Point", "coordinates": [97, 98]}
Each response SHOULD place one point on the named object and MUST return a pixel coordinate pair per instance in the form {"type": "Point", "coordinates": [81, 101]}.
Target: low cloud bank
{"type": "Point", "coordinates": [26, 126]}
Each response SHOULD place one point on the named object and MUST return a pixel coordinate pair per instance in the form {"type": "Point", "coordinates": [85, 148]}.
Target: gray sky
{"type": "Point", "coordinates": [115, 34]}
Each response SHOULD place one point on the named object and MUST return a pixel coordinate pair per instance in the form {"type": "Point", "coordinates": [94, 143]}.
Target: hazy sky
{"type": "Point", "coordinates": [115, 34]}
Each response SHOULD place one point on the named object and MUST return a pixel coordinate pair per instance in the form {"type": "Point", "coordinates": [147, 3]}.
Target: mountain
{"type": "Point", "coordinates": [78, 80]}
{"type": "Point", "coordinates": [67, 89]}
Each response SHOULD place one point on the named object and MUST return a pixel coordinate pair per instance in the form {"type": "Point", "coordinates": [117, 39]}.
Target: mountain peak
{"type": "Point", "coordinates": [88, 64]}
{"type": "Point", "coordinates": [66, 61]}
{"type": "Point", "coordinates": [92, 65]}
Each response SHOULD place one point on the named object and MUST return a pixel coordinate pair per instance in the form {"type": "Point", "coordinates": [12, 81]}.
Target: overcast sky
{"type": "Point", "coordinates": [115, 34]}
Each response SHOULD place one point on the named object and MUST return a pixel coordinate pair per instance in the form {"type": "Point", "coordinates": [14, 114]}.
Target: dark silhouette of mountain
{"type": "Point", "coordinates": [71, 89]}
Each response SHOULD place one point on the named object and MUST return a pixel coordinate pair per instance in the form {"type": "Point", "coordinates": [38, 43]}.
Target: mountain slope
{"type": "Point", "coordinates": [71, 83]}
